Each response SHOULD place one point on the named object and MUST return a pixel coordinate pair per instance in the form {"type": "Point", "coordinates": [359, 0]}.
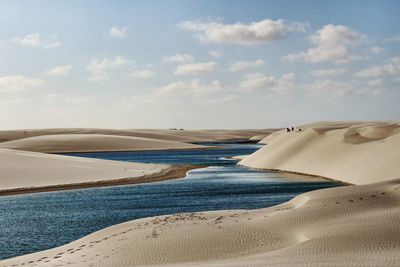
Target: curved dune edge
{"type": "Point", "coordinates": [23, 172]}
{"type": "Point", "coordinates": [344, 226]}
{"type": "Point", "coordinates": [168, 173]}
{"type": "Point", "coordinates": [64, 143]}
{"type": "Point", "coordinates": [356, 154]}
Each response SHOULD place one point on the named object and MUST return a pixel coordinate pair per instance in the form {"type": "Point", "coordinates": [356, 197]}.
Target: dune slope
{"type": "Point", "coordinates": [91, 143]}
{"type": "Point", "coordinates": [161, 134]}
{"type": "Point", "coordinates": [347, 226]}
{"type": "Point", "coordinates": [21, 169]}
{"type": "Point", "coordinates": [359, 154]}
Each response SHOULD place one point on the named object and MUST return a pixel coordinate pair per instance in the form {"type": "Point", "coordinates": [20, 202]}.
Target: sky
{"type": "Point", "coordinates": [197, 64]}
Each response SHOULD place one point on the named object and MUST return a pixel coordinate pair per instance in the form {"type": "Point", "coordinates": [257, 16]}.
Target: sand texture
{"type": "Point", "coordinates": [358, 154]}
{"type": "Point", "coordinates": [161, 134]}
{"type": "Point", "coordinates": [21, 169]}
{"type": "Point", "coordinates": [92, 142]}
{"type": "Point", "coordinates": [345, 226]}
{"type": "Point", "coordinates": [356, 225]}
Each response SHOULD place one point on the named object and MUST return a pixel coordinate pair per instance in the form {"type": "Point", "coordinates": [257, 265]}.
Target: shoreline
{"type": "Point", "coordinates": [303, 173]}
{"type": "Point", "coordinates": [128, 150]}
{"type": "Point", "coordinates": [170, 173]}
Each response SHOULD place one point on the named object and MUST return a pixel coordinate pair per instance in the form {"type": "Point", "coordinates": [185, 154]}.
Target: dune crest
{"type": "Point", "coordinates": [92, 142]}
{"type": "Point", "coordinates": [161, 134]}
{"type": "Point", "coordinates": [359, 154]}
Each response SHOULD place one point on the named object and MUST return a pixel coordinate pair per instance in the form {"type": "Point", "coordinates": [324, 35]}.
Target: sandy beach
{"type": "Point", "coordinates": [346, 226]}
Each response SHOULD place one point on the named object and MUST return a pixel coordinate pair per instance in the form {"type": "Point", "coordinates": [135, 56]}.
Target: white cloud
{"type": "Point", "coordinates": [143, 74]}
{"type": "Point", "coordinates": [241, 65]}
{"type": "Point", "coordinates": [17, 83]}
{"type": "Point", "coordinates": [194, 87]}
{"type": "Point", "coordinates": [99, 67]}
{"type": "Point", "coordinates": [63, 70]}
{"type": "Point", "coordinates": [172, 89]}
{"type": "Point", "coordinates": [392, 66]}
{"type": "Point", "coordinates": [394, 38]}
{"type": "Point", "coordinates": [338, 88]}
{"type": "Point", "coordinates": [215, 53]}
{"type": "Point", "coordinates": [243, 34]}
{"type": "Point", "coordinates": [14, 101]}
{"type": "Point", "coordinates": [35, 40]}
{"type": "Point", "coordinates": [328, 72]}
{"type": "Point", "coordinates": [29, 40]}
{"type": "Point", "coordinates": [333, 43]}
{"type": "Point", "coordinates": [196, 68]}
{"type": "Point", "coordinates": [376, 50]}
{"type": "Point", "coordinates": [178, 58]}
{"type": "Point", "coordinates": [256, 81]}
{"type": "Point", "coordinates": [121, 32]}
{"type": "Point", "coordinates": [376, 82]}
{"type": "Point", "coordinates": [199, 88]}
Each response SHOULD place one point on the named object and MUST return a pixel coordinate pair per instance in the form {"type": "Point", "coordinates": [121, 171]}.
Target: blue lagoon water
{"type": "Point", "coordinates": [35, 222]}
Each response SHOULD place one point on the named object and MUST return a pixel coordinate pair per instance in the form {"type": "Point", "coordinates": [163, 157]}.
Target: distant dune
{"type": "Point", "coordinates": [162, 134]}
{"type": "Point", "coordinates": [91, 143]}
{"type": "Point", "coordinates": [359, 154]}
{"type": "Point", "coordinates": [22, 170]}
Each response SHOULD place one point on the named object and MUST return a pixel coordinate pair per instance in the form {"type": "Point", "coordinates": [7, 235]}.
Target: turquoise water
{"type": "Point", "coordinates": [35, 222]}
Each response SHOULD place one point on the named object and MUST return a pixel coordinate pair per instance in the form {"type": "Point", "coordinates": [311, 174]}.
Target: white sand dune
{"type": "Point", "coordinates": [21, 169]}
{"type": "Point", "coordinates": [258, 138]}
{"type": "Point", "coordinates": [347, 226]}
{"type": "Point", "coordinates": [92, 142]}
{"type": "Point", "coordinates": [359, 154]}
{"type": "Point", "coordinates": [161, 134]}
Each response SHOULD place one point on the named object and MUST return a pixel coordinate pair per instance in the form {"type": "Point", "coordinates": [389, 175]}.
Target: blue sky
{"type": "Point", "coordinates": [197, 64]}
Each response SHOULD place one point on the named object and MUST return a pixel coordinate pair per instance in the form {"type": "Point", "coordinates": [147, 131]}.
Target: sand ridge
{"type": "Point", "coordinates": [22, 169]}
{"type": "Point", "coordinates": [61, 143]}
{"type": "Point", "coordinates": [160, 134]}
{"type": "Point", "coordinates": [359, 154]}
{"type": "Point", "coordinates": [345, 226]}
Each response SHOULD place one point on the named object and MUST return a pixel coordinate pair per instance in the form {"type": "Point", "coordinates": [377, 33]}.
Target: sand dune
{"type": "Point", "coordinates": [347, 226]}
{"type": "Point", "coordinates": [21, 169]}
{"type": "Point", "coordinates": [162, 134]}
{"type": "Point", "coordinates": [359, 154]}
{"type": "Point", "coordinates": [92, 142]}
